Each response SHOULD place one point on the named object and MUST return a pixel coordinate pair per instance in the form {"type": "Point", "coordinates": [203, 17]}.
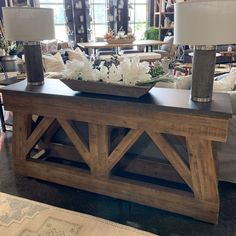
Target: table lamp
{"type": "Point", "coordinates": [204, 24]}
{"type": "Point", "coordinates": [30, 25]}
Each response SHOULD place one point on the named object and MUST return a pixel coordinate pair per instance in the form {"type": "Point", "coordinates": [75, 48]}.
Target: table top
{"type": "Point", "coordinates": [143, 56]}
{"type": "Point", "coordinates": [114, 45]}
{"type": "Point", "coordinates": [228, 53]}
{"type": "Point", "coordinates": [9, 81]}
{"type": "Point", "coordinates": [160, 99]}
{"type": "Point", "coordinates": [192, 53]}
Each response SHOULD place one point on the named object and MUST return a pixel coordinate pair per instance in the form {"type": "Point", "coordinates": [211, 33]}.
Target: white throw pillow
{"type": "Point", "coordinates": [183, 82]}
{"type": "Point", "coordinates": [49, 46]}
{"type": "Point", "coordinates": [76, 54]}
{"type": "Point", "coordinates": [53, 63]}
{"type": "Point", "coordinates": [233, 69]}
{"type": "Point", "coordinates": [53, 75]}
{"type": "Point", "coordinates": [225, 82]}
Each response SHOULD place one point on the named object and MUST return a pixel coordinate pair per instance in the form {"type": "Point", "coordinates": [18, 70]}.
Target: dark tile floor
{"type": "Point", "coordinates": [146, 218]}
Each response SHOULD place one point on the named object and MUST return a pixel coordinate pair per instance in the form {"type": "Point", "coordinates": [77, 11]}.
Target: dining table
{"type": "Point", "coordinates": [102, 45]}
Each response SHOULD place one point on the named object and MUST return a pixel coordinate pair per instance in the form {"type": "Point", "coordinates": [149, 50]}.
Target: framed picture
{"type": "Point", "coordinates": [14, 3]}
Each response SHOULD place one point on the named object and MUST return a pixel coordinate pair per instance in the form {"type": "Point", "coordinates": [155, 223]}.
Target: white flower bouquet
{"type": "Point", "coordinates": [123, 79]}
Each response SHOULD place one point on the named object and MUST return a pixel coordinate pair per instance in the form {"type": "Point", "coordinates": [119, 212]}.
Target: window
{"type": "Point", "coordinates": [59, 17]}
{"type": "Point", "coordinates": [99, 23]}
{"type": "Point", "coordinates": [138, 13]}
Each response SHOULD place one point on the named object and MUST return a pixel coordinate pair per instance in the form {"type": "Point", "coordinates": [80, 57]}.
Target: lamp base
{"type": "Point", "coordinates": [203, 73]}
{"type": "Point", "coordinates": [33, 62]}
{"type": "Point", "coordinates": [35, 83]}
{"type": "Point", "coordinates": [196, 99]}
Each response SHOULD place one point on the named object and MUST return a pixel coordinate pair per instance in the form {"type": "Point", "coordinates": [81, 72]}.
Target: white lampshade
{"type": "Point", "coordinates": [205, 22]}
{"type": "Point", "coordinates": [28, 23]}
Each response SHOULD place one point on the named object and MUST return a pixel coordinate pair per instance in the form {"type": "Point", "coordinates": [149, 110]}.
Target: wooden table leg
{"type": "Point", "coordinates": [98, 144]}
{"type": "Point", "coordinates": [22, 129]}
{"type": "Point", "coordinates": [203, 171]}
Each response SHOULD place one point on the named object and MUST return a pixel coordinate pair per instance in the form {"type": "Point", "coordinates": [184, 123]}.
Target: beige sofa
{"type": "Point", "coordinates": [226, 152]}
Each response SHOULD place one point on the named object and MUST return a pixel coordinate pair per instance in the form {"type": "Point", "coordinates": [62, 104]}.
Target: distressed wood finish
{"type": "Point", "coordinates": [209, 128]}
{"type": "Point", "coordinates": [22, 129]}
{"type": "Point", "coordinates": [172, 156]}
{"type": "Point", "coordinates": [201, 163]}
{"type": "Point", "coordinates": [160, 111]}
{"type": "Point", "coordinates": [98, 144]}
{"type": "Point", "coordinates": [147, 194]}
{"type": "Point", "coordinates": [37, 134]}
{"type": "Point", "coordinates": [76, 140]}
{"type": "Point", "coordinates": [123, 147]}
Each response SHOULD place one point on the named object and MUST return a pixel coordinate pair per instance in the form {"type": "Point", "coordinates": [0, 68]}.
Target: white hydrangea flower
{"type": "Point", "coordinates": [129, 72]}
{"type": "Point", "coordinates": [133, 71]}
{"type": "Point", "coordinates": [102, 72]}
{"type": "Point", "coordinates": [88, 73]}
{"type": "Point", "coordinates": [80, 69]}
{"type": "Point", "coordinates": [73, 69]}
{"type": "Point", "coordinates": [114, 75]}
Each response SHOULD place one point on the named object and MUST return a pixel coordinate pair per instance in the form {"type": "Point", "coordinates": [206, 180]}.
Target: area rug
{"type": "Point", "coordinates": [22, 217]}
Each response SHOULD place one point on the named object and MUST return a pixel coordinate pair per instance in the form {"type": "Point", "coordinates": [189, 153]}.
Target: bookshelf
{"type": "Point", "coordinates": [164, 16]}
{"type": "Point", "coordinates": [77, 17]}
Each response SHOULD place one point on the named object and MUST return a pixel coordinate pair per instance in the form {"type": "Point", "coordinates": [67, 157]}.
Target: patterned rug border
{"type": "Point", "coordinates": [118, 225]}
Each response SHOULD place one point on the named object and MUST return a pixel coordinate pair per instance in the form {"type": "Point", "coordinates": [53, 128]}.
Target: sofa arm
{"type": "Point", "coordinates": [233, 100]}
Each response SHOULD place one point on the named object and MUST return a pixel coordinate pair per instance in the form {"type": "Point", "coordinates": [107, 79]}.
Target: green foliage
{"type": "Point", "coordinates": [157, 74]}
{"type": "Point", "coordinates": [161, 78]}
{"type": "Point", "coordinates": [156, 71]}
{"type": "Point", "coordinates": [152, 33]}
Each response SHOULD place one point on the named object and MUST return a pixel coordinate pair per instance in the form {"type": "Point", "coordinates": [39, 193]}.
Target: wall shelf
{"type": "Point", "coordinates": [163, 19]}
{"type": "Point", "coordinates": [78, 20]}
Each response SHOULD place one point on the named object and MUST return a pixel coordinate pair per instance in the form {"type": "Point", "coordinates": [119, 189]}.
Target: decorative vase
{"type": "Point", "coordinates": [169, 6]}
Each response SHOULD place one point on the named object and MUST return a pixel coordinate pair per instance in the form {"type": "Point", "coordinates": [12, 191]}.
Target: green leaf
{"type": "Point", "coordinates": [164, 78]}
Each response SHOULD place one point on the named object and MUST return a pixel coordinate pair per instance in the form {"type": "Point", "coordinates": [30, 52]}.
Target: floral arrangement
{"type": "Point", "coordinates": [111, 36]}
{"type": "Point", "coordinates": [130, 72]}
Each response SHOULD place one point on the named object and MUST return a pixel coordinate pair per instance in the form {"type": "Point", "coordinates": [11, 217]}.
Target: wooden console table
{"type": "Point", "coordinates": [91, 164]}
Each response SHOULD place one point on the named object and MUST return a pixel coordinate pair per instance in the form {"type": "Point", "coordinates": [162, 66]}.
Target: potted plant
{"type": "Point", "coordinates": [152, 33]}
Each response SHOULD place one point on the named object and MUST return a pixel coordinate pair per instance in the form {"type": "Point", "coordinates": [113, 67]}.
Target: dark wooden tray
{"type": "Point", "coordinates": [107, 88]}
